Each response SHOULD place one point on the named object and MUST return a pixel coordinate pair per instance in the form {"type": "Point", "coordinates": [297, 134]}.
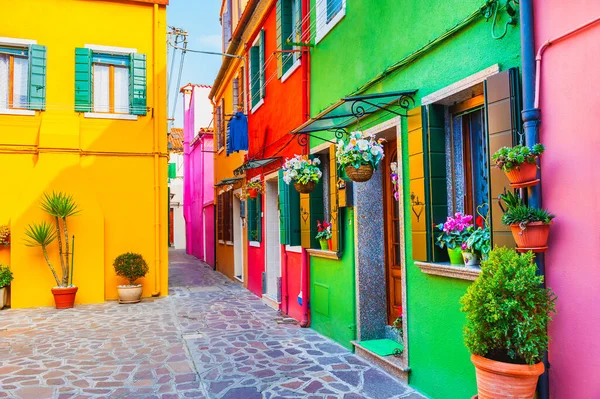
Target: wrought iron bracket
{"type": "Point", "coordinates": [302, 138]}
{"type": "Point", "coordinates": [404, 102]}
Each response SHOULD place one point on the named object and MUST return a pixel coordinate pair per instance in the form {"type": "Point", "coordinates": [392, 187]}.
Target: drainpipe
{"type": "Point", "coordinates": [155, 113]}
{"type": "Point", "coordinates": [285, 284]}
{"type": "Point", "coordinates": [215, 149]}
{"type": "Point", "coordinates": [531, 116]}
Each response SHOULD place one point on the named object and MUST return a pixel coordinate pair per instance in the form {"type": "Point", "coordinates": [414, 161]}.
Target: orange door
{"type": "Point", "coordinates": [393, 262]}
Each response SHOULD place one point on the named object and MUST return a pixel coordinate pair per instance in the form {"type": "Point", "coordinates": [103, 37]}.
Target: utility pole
{"type": "Point", "coordinates": [177, 39]}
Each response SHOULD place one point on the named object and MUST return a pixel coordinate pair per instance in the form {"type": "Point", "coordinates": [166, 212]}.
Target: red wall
{"type": "Point", "coordinates": [268, 128]}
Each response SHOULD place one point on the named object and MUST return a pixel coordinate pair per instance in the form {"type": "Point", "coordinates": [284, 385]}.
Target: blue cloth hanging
{"type": "Point", "coordinates": [237, 133]}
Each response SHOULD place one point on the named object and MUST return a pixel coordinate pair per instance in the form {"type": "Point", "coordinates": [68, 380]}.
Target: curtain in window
{"type": "Point", "coordinates": [3, 81]}
{"type": "Point", "coordinates": [101, 88]}
{"type": "Point", "coordinates": [121, 90]}
{"type": "Point", "coordinates": [20, 77]}
{"type": "Point", "coordinates": [333, 7]}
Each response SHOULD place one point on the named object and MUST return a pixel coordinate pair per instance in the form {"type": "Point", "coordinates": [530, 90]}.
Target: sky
{"type": "Point", "coordinates": [201, 20]}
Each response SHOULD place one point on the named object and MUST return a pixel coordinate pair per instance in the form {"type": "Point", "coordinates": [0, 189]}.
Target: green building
{"type": "Point", "coordinates": [438, 80]}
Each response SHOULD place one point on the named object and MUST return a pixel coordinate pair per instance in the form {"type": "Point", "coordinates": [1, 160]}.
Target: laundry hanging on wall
{"type": "Point", "coordinates": [237, 133]}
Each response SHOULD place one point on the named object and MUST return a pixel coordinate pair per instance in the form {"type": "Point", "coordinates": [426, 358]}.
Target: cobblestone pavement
{"type": "Point", "coordinates": [210, 338]}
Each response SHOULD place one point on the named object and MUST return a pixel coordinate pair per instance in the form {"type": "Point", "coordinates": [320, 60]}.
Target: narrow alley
{"type": "Point", "coordinates": [211, 338]}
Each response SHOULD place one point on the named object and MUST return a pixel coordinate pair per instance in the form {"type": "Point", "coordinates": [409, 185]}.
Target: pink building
{"type": "Point", "coordinates": [569, 102]}
{"type": "Point", "coordinates": [198, 192]}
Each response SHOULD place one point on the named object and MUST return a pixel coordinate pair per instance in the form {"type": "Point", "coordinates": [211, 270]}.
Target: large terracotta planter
{"type": "Point", "coordinates": [130, 293]}
{"type": "Point", "coordinates": [252, 193]}
{"type": "Point", "coordinates": [305, 188]}
{"type": "Point", "coordinates": [499, 380]}
{"type": "Point", "coordinates": [362, 174]}
{"type": "Point", "coordinates": [3, 297]}
{"type": "Point", "coordinates": [533, 238]}
{"type": "Point", "coordinates": [524, 175]}
{"type": "Point", "coordinates": [64, 297]}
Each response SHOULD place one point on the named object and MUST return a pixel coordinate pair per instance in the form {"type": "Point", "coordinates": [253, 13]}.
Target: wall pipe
{"type": "Point", "coordinates": [155, 114]}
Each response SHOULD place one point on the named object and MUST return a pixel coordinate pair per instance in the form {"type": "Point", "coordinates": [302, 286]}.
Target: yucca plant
{"type": "Point", "coordinates": [60, 206]}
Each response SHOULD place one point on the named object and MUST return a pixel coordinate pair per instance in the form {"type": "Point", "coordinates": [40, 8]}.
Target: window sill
{"type": "Point", "coordinates": [319, 253]}
{"type": "Point", "coordinates": [447, 270]}
{"type": "Point", "coordinates": [99, 115]}
{"type": "Point", "coordinates": [258, 105]}
{"type": "Point", "coordinates": [230, 243]}
{"type": "Point", "coordinates": [321, 33]}
{"type": "Point", "coordinates": [297, 249]}
{"type": "Point", "coordinates": [220, 150]}
{"type": "Point", "coordinates": [290, 71]}
{"type": "Point", "coordinates": [24, 112]}
{"type": "Point", "coordinates": [255, 244]}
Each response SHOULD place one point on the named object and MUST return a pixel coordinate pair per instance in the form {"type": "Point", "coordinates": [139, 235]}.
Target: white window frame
{"type": "Point", "coordinates": [14, 42]}
{"type": "Point", "coordinates": [324, 27]}
{"type": "Point", "coordinates": [118, 51]}
{"type": "Point", "coordinates": [290, 71]}
{"type": "Point", "coordinates": [256, 43]}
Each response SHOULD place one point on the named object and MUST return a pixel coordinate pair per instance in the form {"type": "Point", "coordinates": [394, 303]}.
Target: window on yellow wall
{"type": "Point", "coordinates": [110, 87]}
{"type": "Point", "coordinates": [23, 77]}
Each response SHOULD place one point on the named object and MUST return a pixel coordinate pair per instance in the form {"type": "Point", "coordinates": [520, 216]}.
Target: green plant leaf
{"type": "Point", "coordinates": [40, 234]}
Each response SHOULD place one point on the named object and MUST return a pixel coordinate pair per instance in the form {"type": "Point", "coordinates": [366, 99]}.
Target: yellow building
{"type": "Point", "coordinates": [83, 111]}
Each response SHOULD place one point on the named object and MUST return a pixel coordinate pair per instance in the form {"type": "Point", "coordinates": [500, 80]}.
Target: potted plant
{"type": "Point", "coordinates": [6, 277]}
{"type": "Point", "coordinates": [4, 235]}
{"type": "Point", "coordinates": [60, 206]}
{"type": "Point", "coordinates": [305, 173]}
{"type": "Point", "coordinates": [454, 232]}
{"type": "Point", "coordinates": [507, 319]}
{"type": "Point", "coordinates": [530, 226]}
{"type": "Point", "coordinates": [519, 163]}
{"type": "Point", "coordinates": [132, 267]}
{"type": "Point", "coordinates": [478, 245]}
{"type": "Point", "coordinates": [324, 235]}
{"type": "Point", "coordinates": [359, 157]}
{"type": "Point", "coordinates": [253, 188]}
{"type": "Point", "coordinates": [254, 235]}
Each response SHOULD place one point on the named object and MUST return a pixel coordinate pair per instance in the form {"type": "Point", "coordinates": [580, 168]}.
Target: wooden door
{"type": "Point", "coordinates": [393, 261]}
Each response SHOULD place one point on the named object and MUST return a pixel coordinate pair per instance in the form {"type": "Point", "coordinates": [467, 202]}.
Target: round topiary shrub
{"type": "Point", "coordinates": [131, 266]}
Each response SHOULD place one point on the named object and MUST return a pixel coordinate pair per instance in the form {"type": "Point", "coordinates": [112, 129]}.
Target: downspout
{"type": "Point", "coordinates": [186, 172]}
{"type": "Point", "coordinates": [285, 284]}
{"type": "Point", "coordinates": [304, 259]}
{"type": "Point", "coordinates": [155, 114]}
{"type": "Point", "coordinates": [215, 149]}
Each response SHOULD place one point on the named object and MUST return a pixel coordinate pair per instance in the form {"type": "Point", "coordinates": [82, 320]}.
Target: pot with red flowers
{"type": "Point", "coordinates": [324, 235]}
{"type": "Point", "coordinates": [454, 232]}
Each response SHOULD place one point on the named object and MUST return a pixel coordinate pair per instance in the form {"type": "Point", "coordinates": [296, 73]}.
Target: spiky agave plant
{"type": "Point", "coordinates": [60, 206]}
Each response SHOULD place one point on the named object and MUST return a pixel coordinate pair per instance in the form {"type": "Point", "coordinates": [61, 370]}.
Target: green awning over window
{"type": "Point", "coordinates": [253, 164]}
{"type": "Point", "coordinates": [225, 182]}
{"type": "Point", "coordinates": [346, 111]}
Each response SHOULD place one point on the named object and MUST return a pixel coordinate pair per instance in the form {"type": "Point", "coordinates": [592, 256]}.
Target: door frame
{"type": "Point", "coordinates": [238, 247]}
{"type": "Point", "coordinates": [271, 212]}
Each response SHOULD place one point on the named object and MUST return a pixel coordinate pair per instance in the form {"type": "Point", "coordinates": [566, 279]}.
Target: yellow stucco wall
{"type": "Point", "coordinates": [108, 166]}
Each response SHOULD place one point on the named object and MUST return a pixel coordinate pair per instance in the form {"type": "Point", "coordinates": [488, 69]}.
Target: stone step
{"type": "Point", "coordinates": [391, 364]}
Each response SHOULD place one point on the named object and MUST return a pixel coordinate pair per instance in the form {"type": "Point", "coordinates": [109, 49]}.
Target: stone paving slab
{"type": "Point", "coordinates": [211, 338]}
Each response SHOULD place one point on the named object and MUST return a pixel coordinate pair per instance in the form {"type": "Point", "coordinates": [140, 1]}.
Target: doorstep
{"type": "Point", "coordinates": [392, 364]}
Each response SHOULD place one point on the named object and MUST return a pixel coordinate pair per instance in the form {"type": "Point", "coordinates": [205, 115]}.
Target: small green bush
{"type": "Point", "coordinates": [6, 276]}
{"type": "Point", "coordinates": [131, 266]}
{"type": "Point", "coordinates": [507, 309]}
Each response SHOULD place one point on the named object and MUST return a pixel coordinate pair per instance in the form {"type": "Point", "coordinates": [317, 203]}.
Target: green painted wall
{"type": "Point", "coordinates": [332, 291]}
{"type": "Point", "coordinates": [373, 35]}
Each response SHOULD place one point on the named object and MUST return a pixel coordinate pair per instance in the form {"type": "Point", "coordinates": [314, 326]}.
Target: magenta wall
{"type": "Point", "coordinates": [570, 101]}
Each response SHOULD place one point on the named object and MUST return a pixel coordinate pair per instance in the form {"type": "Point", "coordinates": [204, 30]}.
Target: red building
{"type": "Point", "coordinates": [277, 90]}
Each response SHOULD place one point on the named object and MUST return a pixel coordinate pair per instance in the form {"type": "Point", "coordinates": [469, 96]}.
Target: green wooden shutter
{"type": "Point", "coordinates": [295, 226]}
{"type": "Point", "coordinates": [262, 63]}
{"type": "Point", "coordinates": [503, 109]}
{"type": "Point", "coordinates": [137, 84]}
{"type": "Point", "coordinates": [435, 170]}
{"type": "Point", "coordinates": [284, 31]}
{"type": "Point", "coordinates": [284, 210]}
{"type": "Point", "coordinates": [172, 170]}
{"type": "Point", "coordinates": [278, 22]}
{"type": "Point", "coordinates": [418, 205]}
{"type": "Point", "coordinates": [83, 80]}
{"type": "Point", "coordinates": [37, 77]}
{"type": "Point", "coordinates": [259, 216]}
{"type": "Point", "coordinates": [254, 75]}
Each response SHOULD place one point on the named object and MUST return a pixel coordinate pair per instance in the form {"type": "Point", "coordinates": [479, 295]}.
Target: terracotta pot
{"type": "Point", "coordinates": [64, 297]}
{"type": "Point", "coordinates": [130, 293]}
{"type": "Point", "coordinates": [455, 255]}
{"type": "Point", "coordinates": [470, 259]}
{"type": "Point", "coordinates": [3, 297]}
{"type": "Point", "coordinates": [535, 235]}
{"type": "Point", "coordinates": [526, 172]}
{"type": "Point", "coordinates": [305, 188]}
{"type": "Point", "coordinates": [499, 380]}
{"type": "Point", "coordinates": [252, 193]}
{"type": "Point", "coordinates": [362, 174]}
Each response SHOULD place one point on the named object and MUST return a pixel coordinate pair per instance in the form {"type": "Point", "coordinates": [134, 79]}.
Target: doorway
{"type": "Point", "coordinates": [272, 246]}
{"type": "Point", "coordinates": [238, 255]}
{"type": "Point", "coordinates": [393, 260]}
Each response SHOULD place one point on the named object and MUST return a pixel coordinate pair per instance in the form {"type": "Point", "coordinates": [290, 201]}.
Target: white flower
{"type": "Point", "coordinates": [366, 156]}
{"type": "Point", "coordinates": [316, 161]}
{"type": "Point", "coordinates": [293, 173]}
{"type": "Point", "coordinates": [319, 173]}
{"type": "Point", "coordinates": [376, 150]}
{"type": "Point", "coordinates": [362, 144]}
{"type": "Point", "coordinates": [287, 179]}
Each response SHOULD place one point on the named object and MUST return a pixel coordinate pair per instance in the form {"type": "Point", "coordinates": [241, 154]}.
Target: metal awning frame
{"type": "Point", "coordinates": [225, 182]}
{"type": "Point", "coordinates": [360, 107]}
{"type": "Point", "coordinates": [253, 164]}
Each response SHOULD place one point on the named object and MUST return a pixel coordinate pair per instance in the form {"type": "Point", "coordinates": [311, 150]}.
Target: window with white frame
{"type": "Point", "coordinates": [22, 75]}
{"type": "Point", "coordinates": [329, 13]}
{"type": "Point", "coordinates": [110, 78]}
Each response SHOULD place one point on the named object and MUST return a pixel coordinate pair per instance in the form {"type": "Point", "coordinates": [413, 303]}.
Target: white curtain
{"type": "Point", "coordinates": [4, 81]}
{"type": "Point", "coordinates": [20, 82]}
{"type": "Point", "coordinates": [101, 88]}
{"type": "Point", "coordinates": [121, 90]}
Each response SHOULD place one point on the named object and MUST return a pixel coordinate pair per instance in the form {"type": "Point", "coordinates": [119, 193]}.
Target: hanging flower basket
{"type": "Point", "coordinates": [252, 193]}
{"type": "Point", "coordinates": [253, 188]}
{"type": "Point", "coordinates": [362, 174]}
{"type": "Point", "coordinates": [305, 188]}
{"type": "Point", "coordinates": [531, 236]}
